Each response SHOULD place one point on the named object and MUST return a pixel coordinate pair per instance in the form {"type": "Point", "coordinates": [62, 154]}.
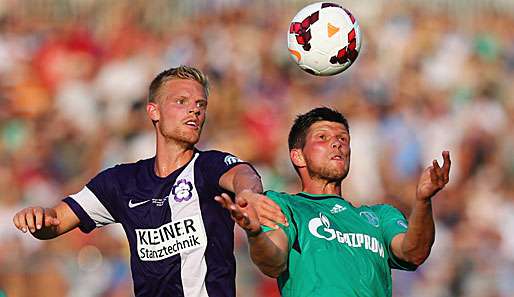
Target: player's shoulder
{"type": "Point", "coordinates": [384, 209]}
{"type": "Point", "coordinates": [279, 196]}
{"type": "Point", "coordinates": [122, 170]}
{"type": "Point", "coordinates": [225, 156]}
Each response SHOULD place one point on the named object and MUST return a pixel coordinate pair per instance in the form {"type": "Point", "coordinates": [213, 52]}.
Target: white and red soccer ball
{"type": "Point", "coordinates": [324, 38]}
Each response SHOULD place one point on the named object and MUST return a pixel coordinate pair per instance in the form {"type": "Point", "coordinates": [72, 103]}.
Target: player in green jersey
{"type": "Point", "coordinates": [329, 247]}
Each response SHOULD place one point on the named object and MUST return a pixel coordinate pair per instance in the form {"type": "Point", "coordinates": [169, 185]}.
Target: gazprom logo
{"type": "Point", "coordinates": [325, 232]}
{"type": "Point", "coordinates": [321, 228]}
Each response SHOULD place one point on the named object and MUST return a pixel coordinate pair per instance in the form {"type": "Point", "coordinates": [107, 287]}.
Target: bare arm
{"type": "Point", "coordinates": [414, 246]}
{"type": "Point", "coordinates": [239, 178]}
{"type": "Point", "coordinates": [46, 223]}
{"type": "Point", "coordinates": [244, 182]}
{"type": "Point", "coordinates": [268, 250]}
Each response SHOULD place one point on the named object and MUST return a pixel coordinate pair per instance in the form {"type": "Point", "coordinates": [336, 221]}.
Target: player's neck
{"type": "Point", "coordinates": [170, 157]}
{"type": "Point", "coordinates": [321, 187]}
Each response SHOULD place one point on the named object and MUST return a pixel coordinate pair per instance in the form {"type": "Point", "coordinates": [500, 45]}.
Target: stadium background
{"type": "Point", "coordinates": [432, 75]}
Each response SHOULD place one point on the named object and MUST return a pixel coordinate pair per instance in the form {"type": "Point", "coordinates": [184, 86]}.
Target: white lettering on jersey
{"type": "Point", "coordinates": [170, 239]}
{"type": "Point", "coordinates": [354, 240]}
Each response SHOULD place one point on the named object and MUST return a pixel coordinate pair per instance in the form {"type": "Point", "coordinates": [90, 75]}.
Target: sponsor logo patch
{"type": "Point", "coordinates": [132, 204]}
{"type": "Point", "coordinates": [229, 160]}
{"type": "Point", "coordinates": [337, 208]}
{"type": "Point", "coordinates": [321, 228]}
{"type": "Point", "coordinates": [171, 239]}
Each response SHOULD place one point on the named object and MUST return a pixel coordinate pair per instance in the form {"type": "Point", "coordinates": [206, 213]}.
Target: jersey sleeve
{"type": "Point", "coordinates": [393, 223]}
{"type": "Point", "coordinates": [290, 230]}
{"type": "Point", "coordinates": [216, 163]}
{"type": "Point", "coordinates": [94, 205]}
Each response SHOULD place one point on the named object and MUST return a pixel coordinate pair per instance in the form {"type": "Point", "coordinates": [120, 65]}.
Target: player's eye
{"type": "Point", "coordinates": [201, 104]}
{"type": "Point", "coordinates": [322, 137]}
{"type": "Point", "coordinates": [180, 101]}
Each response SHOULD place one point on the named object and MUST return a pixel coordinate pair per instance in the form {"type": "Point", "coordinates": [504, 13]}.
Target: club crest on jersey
{"type": "Point", "coordinates": [229, 160]}
{"type": "Point", "coordinates": [182, 190]}
{"type": "Point", "coordinates": [402, 223]}
{"type": "Point", "coordinates": [371, 218]}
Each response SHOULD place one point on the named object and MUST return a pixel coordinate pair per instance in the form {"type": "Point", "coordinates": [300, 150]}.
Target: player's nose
{"type": "Point", "coordinates": [336, 144]}
{"type": "Point", "coordinates": [194, 110]}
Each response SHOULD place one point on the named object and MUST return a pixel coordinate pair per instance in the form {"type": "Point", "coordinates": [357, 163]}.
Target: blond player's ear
{"type": "Point", "coordinates": [152, 109]}
{"type": "Point", "coordinates": [297, 157]}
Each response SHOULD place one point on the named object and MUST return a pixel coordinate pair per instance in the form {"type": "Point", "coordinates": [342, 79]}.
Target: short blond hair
{"type": "Point", "coordinates": [181, 72]}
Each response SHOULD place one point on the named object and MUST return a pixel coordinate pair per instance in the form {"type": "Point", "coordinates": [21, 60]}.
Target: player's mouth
{"type": "Point", "coordinates": [337, 158]}
{"type": "Point", "coordinates": [193, 123]}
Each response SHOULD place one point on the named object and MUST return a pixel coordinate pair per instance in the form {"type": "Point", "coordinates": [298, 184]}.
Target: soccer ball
{"type": "Point", "coordinates": [324, 38]}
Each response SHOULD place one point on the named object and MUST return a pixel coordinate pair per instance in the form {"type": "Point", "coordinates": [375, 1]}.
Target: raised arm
{"type": "Point", "coordinates": [46, 223]}
{"type": "Point", "coordinates": [246, 183]}
{"type": "Point", "coordinates": [268, 250]}
{"type": "Point", "coordinates": [414, 246]}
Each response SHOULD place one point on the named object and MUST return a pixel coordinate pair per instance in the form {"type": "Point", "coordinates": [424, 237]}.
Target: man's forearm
{"type": "Point", "coordinates": [269, 252]}
{"type": "Point", "coordinates": [421, 233]}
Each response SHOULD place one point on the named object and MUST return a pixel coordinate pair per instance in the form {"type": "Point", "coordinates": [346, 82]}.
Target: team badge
{"type": "Point", "coordinates": [182, 190]}
{"type": "Point", "coordinates": [402, 223]}
{"type": "Point", "coordinates": [370, 217]}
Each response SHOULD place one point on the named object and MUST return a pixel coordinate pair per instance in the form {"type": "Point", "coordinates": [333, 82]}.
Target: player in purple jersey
{"type": "Point", "coordinates": [181, 240]}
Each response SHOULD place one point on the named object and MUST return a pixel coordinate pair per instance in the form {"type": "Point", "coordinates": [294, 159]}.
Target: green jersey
{"type": "Point", "coordinates": [336, 249]}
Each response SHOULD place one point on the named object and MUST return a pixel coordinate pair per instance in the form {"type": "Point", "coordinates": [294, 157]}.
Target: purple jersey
{"type": "Point", "coordinates": [181, 240]}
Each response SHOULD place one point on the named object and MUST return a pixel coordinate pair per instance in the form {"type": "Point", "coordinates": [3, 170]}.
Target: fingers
{"type": "Point", "coordinates": [39, 213]}
{"type": "Point", "coordinates": [224, 200]}
{"type": "Point", "coordinates": [241, 202]}
{"type": "Point", "coordinates": [235, 211]}
{"type": "Point", "coordinates": [446, 165]}
{"type": "Point", "coordinates": [29, 217]}
{"type": "Point", "coordinates": [271, 204]}
{"type": "Point", "coordinates": [19, 221]}
{"type": "Point", "coordinates": [270, 214]}
{"type": "Point", "coordinates": [33, 219]}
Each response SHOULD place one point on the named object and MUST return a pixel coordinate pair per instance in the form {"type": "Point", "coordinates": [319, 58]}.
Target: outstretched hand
{"type": "Point", "coordinates": [35, 218]}
{"type": "Point", "coordinates": [242, 212]}
{"type": "Point", "coordinates": [251, 210]}
{"type": "Point", "coordinates": [434, 178]}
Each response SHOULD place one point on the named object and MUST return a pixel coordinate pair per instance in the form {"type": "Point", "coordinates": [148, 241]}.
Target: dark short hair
{"type": "Point", "coordinates": [304, 121]}
{"type": "Point", "coordinates": [181, 72]}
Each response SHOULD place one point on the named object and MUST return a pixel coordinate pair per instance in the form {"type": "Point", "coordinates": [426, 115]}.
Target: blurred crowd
{"type": "Point", "coordinates": [73, 87]}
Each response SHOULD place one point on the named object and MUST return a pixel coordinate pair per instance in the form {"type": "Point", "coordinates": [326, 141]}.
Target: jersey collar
{"type": "Point", "coordinates": [318, 196]}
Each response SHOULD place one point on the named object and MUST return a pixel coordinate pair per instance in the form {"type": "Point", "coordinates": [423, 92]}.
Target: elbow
{"type": "Point", "coordinates": [417, 259]}
{"type": "Point", "coordinates": [273, 272]}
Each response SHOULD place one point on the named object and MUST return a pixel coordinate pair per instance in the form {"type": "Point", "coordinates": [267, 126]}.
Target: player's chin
{"type": "Point", "coordinates": [337, 173]}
